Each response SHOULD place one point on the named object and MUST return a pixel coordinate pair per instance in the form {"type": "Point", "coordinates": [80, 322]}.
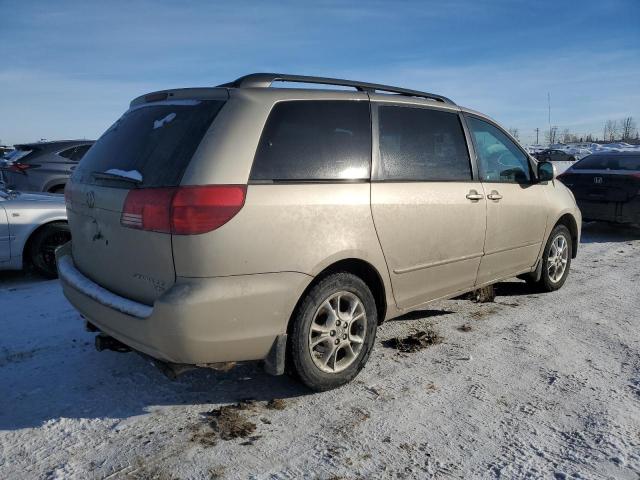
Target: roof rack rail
{"type": "Point", "coordinates": [264, 80]}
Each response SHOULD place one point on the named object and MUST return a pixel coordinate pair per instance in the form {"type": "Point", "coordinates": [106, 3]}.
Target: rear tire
{"type": "Point", "coordinates": [333, 332]}
{"type": "Point", "coordinates": [42, 247]}
{"type": "Point", "coordinates": [556, 259]}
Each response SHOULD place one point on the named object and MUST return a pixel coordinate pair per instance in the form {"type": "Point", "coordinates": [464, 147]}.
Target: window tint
{"type": "Point", "coordinates": [68, 153]}
{"type": "Point", "coordinates": [611, 162]}
{"type": "Point", "coordinates": [75, 153]}
{"type": "Point", "coordinates": [315, 140]}
{"type": "Point", "coordinates": [79, 152]}
{"type": "Point", "coordinates": [422, 144]}
{"type": "Point", "coordinates": [500, 160]}
{"type": "Point", "coordinates": [156, 140]}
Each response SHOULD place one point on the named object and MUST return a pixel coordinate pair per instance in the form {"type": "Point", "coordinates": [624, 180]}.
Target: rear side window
{"type": "Point", "coordinates": [154, 142]}
{"type": "Point", "coordinates": [421, 144]}
{"type": "Point", "coordinates": [604, 162]}
{"type": "Point", "coordinates": [75, 153]}
{"type": "Point", "coordinates": [315, 140]}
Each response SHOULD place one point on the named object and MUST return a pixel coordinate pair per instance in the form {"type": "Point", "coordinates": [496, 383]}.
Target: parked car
{"type": "Point", "coordinates": [32, 226]}
{"type": "Point", "coordinates": [43, 166]}
{"type": "Point", "coordinates": [606, 186]}
{"type": "Point", "coordinates": [5, 150]}
{"type": "Point", "coordinates": [242, 222]}
{"type": "Point", "coordinates": [551, 155]}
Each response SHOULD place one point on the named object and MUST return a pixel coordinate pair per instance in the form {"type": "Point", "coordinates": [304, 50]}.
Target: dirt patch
{"type": "Point", "coordinates": [483, 295]}
{"type": "Point", "coordinates": [481, 314]}
{"type": "Point", "coordinates": [226, 423]}
{"type": "Point", "coordinates": [276, 404]}
{"type": "Point", "coordinates": [465, 328]}
{"type": "Point", "coordinates": [415, 341]}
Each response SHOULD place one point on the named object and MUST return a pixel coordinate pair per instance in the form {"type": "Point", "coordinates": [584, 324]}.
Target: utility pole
{"type": "Point", "coordinates": [537, 132]}
{"type": "Point", "coordinates": [549, 105]}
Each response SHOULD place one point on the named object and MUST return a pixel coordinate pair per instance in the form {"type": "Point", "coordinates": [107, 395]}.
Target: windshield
{"type": "Point", "coordinates": [151, 144]}
{"type": "Point", "coordinates": [608, 162]}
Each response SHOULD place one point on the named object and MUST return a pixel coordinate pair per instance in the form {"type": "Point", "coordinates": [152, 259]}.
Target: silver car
{"type": "Point", "coordinates": [32, 226]}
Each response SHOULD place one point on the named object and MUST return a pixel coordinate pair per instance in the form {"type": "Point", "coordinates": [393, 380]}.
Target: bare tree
{"type": "Point", "coordinates": [568, 137]}
{"type": "Point", "coordinates": [610, 130]}
{"type": "Point", "coordinates": [628, 128]}
{"type": "Point", "coordinates": [552, 135]}
{"type": "Point", "coordinates": [514, 133]}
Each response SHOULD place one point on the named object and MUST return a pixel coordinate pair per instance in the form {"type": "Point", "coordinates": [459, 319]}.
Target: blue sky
{"type": "Point", "coordinates": [69, 69]}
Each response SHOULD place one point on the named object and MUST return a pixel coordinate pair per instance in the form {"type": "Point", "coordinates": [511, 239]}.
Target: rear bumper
{"type": "Point", "coordinates": [198, 320]}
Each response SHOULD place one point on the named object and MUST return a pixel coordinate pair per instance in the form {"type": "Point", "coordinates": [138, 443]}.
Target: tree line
{"type": "Point", "coordinates": [624, 130]}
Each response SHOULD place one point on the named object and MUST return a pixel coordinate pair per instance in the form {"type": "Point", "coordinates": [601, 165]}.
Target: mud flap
{"type": "Point", "coordinates": [274, 363]}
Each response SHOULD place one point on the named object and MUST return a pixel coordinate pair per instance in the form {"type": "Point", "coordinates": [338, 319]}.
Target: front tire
{"type": "Point", "coordinates": [333, 332]}
{"type": "Point", "coordinates": [43, 246]}
{"type": "Point", "coordinates": [556, 259]}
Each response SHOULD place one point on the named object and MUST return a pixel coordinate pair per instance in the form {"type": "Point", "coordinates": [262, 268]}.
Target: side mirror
{"type": "Point", "coordinates": [546, 171]}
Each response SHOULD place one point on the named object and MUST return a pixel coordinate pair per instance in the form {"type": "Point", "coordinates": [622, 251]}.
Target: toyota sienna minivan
{"type": "Point", "coordinates": [247, 222]}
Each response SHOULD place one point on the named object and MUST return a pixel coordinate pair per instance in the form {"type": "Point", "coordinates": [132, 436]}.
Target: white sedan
{"type": "Point", "coordinates": [32, 226]}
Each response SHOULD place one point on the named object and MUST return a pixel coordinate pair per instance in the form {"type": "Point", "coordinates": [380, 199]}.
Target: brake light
{"type": "Point", "coordinates": [18, 167]}
{"type": "Point", "coordinates": [188, 210]}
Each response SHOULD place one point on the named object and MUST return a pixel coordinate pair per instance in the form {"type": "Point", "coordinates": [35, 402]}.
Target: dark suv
{"type": "Point", "coordinates": [44, 166]}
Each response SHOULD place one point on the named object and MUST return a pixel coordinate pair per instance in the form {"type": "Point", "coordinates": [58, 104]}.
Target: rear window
{"type": "Point", "coordinates": [315, 140]}
{"type": "Point", "coordinates": [151, 143]}
{"type": "Point", "coordinates": [420, 144]}
{"type": "Point", "coordinates": [608, 162]}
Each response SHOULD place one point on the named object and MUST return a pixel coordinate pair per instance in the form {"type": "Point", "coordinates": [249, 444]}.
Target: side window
{"type": "Point", "coordinates": [422, 144]}
{"type": "Point", "coordinates": [68, 153]}
{"type": "Point", "coordinates": [79, 152]}
{"type": "Point", "coordinates": [500, 160]}
{"type": "Point", "coordinates": [315, 140]}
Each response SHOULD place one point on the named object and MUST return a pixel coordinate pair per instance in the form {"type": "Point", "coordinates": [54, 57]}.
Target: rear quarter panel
{"type": "Point", "coordinates": [25, 217]}
{"type": "Point", "coordinates": [287, 228]}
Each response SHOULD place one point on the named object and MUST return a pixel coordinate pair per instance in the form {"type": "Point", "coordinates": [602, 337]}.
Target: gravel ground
{"type": "Point", "coordinates": [530, 386]}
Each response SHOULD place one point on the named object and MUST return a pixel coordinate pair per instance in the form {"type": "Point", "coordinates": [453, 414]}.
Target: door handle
{"type": "Point", "coordinates": [474, 196]}
{"type": "Point", "coordinates": [494, 195]}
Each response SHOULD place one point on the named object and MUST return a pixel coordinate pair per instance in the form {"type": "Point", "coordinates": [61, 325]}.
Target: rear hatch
{"type": "Point", "coordinates": [142, 156]}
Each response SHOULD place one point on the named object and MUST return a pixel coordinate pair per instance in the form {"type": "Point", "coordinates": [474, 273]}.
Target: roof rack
{"type": "Point", "coordinates": [264, 80]}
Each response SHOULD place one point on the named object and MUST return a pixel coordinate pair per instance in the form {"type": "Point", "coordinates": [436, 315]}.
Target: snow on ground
{"type": "Point", "coordinates": [541, 386]}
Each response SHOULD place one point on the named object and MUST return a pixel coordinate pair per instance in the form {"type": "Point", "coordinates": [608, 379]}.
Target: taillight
{"type": "Point", "coordinates": [189, 210]}
{"type": "Point", "coordinates": [148, 209]}
{"type": "Point", "coordinates": [18, 167]}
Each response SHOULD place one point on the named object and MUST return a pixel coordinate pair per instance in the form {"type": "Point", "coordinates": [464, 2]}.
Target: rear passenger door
{"type": "Point", "coordinates": [516, 204]}
{"type": "Point", "coordinates": [428, 210]}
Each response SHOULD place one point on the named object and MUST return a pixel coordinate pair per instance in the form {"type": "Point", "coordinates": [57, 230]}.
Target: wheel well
{"type": "Point", "coordinates": [360, 268]}
{"type": "Point", "coordinates": [26, 251]}
{"type": "Point", "coordinates": [52, 188]}
{"type": "Point", "coordinates": [568, 221]}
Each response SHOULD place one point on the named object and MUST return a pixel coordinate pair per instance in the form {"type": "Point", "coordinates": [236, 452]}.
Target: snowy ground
{"type": "Point", "coordinates": [542, 386]}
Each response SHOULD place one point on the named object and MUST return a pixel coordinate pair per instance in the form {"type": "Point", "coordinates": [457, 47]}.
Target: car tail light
{"type": "Point", "coordinates": [188, 210]}
{"type": "Point", "coordinates": [18, 167]}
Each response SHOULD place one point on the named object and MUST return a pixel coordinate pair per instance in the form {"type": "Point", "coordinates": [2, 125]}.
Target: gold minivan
{"type": "Point", "coordinates": [247, 222]}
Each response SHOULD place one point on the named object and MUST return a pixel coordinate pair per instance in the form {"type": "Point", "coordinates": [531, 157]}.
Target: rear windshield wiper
{"type": "Point", "coordinates": [114, 176]}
